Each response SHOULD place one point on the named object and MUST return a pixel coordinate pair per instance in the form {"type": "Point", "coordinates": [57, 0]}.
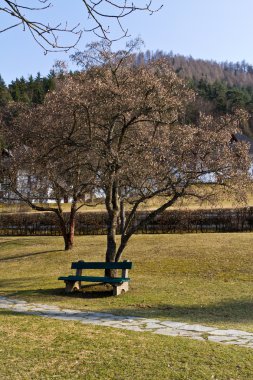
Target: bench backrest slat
{"type": "Point", "coordinates": [101, 265]}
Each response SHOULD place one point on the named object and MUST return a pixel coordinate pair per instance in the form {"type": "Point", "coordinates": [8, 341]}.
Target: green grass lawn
{"type": "Point", "coordinates": [204, 278]}
{"type": "Point", "coordinates": [196, 278]}
{"type": "Point", "coordinates": [34, 348]}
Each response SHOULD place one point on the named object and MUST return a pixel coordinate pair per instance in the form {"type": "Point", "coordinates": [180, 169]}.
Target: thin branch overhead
{"type": "Point", "coordinates": [50, 36]}
{"type": "Point", "coordinates": [46, 35]}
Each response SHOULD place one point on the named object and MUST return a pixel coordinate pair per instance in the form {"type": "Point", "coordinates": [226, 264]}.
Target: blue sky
{"type": "Point", "coordinates": [221, 30]}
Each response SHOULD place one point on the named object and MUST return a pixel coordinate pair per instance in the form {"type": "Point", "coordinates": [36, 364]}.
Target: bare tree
{"type": "Point", "coordinates": [135, 115]}
{"type": "Point", "coordinates": [122, 127]}
{"type": "Point", "coordinates": [42, 167]}
{"type": "Point", "coordinates": [101, 15]}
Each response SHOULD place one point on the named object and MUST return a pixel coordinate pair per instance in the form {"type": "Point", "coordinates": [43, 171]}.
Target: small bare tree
{"type": "Point", "coordinates": [101, 15]}
{"type": "Point", "coordinates": [42, 166]}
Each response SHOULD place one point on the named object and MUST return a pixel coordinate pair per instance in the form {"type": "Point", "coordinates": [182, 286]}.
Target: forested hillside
{"type": "Point", "coordinates": [221, 87]}
{"type": "Point", "coordinates": [31, 90]}
{"type": "Point", "coordinates": [233, 74]}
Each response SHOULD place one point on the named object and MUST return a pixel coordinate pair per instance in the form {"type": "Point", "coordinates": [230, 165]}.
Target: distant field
{"type": "Point", "coordinates": [191, 204]}
{"type": "Point", "coordinates": [197, 278]}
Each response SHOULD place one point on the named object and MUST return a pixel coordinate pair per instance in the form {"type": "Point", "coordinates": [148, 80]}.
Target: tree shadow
{"type": "Point", "coordinates": [16, 283]}
{"type": "Point", "coordinates": [18, 241]}
{"type": "Point", "coordinates": [233, 312]}
{"type": "Point", "coordinates": [11, 313]}
{"type": "Point", "coordinates": [17, 257]}
{"type": "Point", "coordinates": [15, 240]}
{"type": "Point", "coordinates": [229, 311]}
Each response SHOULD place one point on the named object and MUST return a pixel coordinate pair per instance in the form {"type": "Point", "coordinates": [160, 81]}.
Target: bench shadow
{"type": "Point", "coordinates": [87, 292]}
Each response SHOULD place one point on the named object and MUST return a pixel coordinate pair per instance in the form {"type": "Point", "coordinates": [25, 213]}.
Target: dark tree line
{"type": "Point", "coordinates": [31, 90]}
{"type": "Point", "coordinates": [221, 87]}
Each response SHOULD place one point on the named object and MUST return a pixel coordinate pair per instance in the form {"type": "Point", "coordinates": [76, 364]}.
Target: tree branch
{"type": "Point", "coordinates": [47, 36]}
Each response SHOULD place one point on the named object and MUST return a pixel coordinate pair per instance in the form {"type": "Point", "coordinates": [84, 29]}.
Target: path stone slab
{"type": "Point", "coordinates": [19, 309]}
{"type": "Point", "coordinates": [69, 311]}
{"type": "Point", "coordinates": [42, 309]}
{"type": "Point", "coordinates": [221, 339]}
{"type": "Point", "coordinates": [239, 342]}
{"type": "Point", "coordinates": [152, 325]}
{"type": "Point", "coordinates": [132, 328]}
{"type": "Point", "coordinates": [5, 306]}
{"type": "Point", "coordinates": [176, 332]}
{"type": "Point", "coordinates": [12, 300]}
{"type": "Point", "coordinates": [173, 324]}
{"type": "Point", "coordinates": [198, 328]}
{"type": "Point", "coordinates": [231, 333]}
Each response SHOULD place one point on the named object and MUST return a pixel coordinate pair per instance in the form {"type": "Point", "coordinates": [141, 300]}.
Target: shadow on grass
{"type": "Point", "coordinates": [16, 283]}
{"type": "Point", "coordinates": [13, 313]}
{"type": "Point", "coordinates": [232, 311]}
{"type": "Point", "coordinates": [227, 311]}
{"type": "Point", "coordinates": [15, 241]}
{"type": "Point", "coordinates": [88, 292]}
{"type": "Point", "coordinates": [17, 257]}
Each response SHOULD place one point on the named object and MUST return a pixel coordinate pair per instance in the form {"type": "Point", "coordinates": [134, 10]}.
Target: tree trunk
{"type": "Point", "coordinates": [122, 217]}
{"type": "Point", "coordinates": [123, 244]}
{"type": "Point", "coordinates": [111, 242]}
{"type": "Point", "coordinates": [68, 240]}
{"type": "Point", "coordinates": [112, 206]}
{"type": "Point", "coordinates": [68, 228]}
{"type": "Point", "coordinates": [71, 225]}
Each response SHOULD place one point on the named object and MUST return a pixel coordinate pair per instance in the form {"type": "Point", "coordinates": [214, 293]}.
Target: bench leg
{"type": "Point", "coordinates": [71, 286]}
{"type": "Point", "coordinates": [120, 288]}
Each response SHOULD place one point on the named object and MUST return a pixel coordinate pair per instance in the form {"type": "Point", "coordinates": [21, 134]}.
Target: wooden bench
{"type": "Point", "coordinates": [120, 284]}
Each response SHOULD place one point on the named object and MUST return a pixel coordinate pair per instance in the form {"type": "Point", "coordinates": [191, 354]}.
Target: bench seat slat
{"type": "Point", "coordinates": [94, 279]}
{"type": "Point", "coordinates": [101, 265]}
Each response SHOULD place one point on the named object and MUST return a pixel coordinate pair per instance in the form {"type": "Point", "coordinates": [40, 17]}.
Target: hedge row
{"type": "Point", "coordinates": [95, 223]}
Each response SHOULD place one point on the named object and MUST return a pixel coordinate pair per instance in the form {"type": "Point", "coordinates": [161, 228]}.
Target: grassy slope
{"type": "Point", "coordinates": [36, 348]}
{"type": "Point", "coordinates": [204, 278]}
{"type": "Point", "coordinates": [197, 278]}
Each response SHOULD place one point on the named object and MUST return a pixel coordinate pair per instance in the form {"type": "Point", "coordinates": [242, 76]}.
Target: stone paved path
{"type": "Point", "coordinates": [170, 328]}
